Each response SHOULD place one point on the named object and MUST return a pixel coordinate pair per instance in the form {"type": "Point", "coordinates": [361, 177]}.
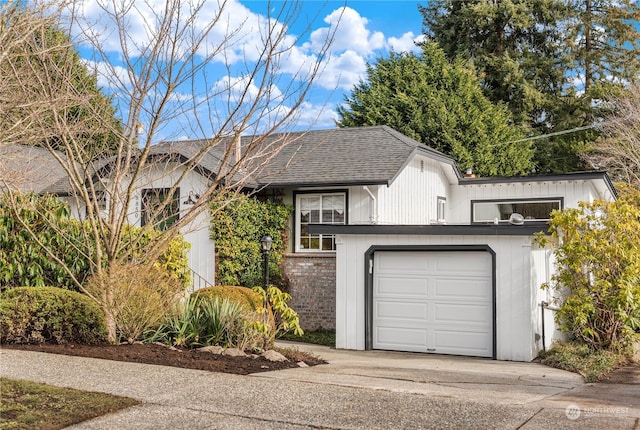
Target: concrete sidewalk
{"type": "Point", "coordinates": [358, 389]}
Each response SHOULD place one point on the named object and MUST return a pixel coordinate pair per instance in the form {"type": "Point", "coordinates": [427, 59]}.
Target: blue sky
{"type": "Point", "coordinates": [364, 31]}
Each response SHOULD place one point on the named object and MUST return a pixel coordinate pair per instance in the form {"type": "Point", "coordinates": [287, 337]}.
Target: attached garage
{"type": "Point", "coordinates": [456, 290]}
{"type": "Point", "coordinates": [435, 301]}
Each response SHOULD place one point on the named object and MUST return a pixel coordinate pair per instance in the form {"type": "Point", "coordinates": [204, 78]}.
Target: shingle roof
{"type": "Point", "coordinates": [27, 168]}
{"type": "Point", "coordinates": [343, 156]}
{"type": "Point", "coordinates": [366, 155]}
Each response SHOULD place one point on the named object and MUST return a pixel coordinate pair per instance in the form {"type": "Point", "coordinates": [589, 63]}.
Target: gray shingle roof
{"type": "Point", "coordinates": [32, 169]}
{"type": "Point", "coordinates": [343, 156]}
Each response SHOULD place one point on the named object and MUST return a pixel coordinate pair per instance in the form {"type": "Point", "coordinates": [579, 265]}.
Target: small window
{"type": "Point", "coordinates": [442, 202]}
{"type": "Point", "coordinates": [326, 208]}
{"type": "Point", "coordinates": [488, 211]}
{"type": "Point", "coordinates": [152, 200]}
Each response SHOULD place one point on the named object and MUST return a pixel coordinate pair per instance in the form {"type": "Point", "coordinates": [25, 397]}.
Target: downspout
{"type": "Point", "coordinates": [546, 305]}
{"type": "Point", "coordinates": [374, 212]}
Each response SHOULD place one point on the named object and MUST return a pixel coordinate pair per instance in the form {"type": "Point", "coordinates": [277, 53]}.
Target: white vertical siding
{"type": "Point", "coordinates": [515, 337]}
{"type": "Point", "coordinates": [411, 198]}
{"type": "Point", "coordinates": [202, 253]}
{"type": "Point", "coordinates": [572, 191]}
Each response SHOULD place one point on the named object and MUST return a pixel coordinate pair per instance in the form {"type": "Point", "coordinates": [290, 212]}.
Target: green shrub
{"type": "Point", "coordinates": [285, 318]}
{"type": "Point", "coordinates": [49, 314]}
{"type": "Point", "coordinates": [579, 358]}
{"type": "Point", "coordinates": [252, 303]}
{"type": "Point", "coordinates": [237, 227]}
{"type": "Point", "coordinates": [597, 285]}
{"type": "Point", "coordinates": [24, 261]}
{"type": "Point", "coordinates": [246, 297]}
{"type": "Point", "coordinates": [205, 320]}
{"type": "Point", "coordinates": [138, 297]}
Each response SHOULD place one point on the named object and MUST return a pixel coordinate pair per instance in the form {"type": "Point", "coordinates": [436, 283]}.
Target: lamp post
{"type": "Point", "coordinates": [265, 245]}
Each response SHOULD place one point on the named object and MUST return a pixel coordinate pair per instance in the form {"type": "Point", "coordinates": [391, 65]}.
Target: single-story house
{"type": "Point", "coordinates": [397, 249]}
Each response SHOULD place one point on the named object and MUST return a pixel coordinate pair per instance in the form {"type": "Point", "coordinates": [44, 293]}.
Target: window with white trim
{"type": "Point", "coordinates": [325, 208]}
{"type": "Point", "coordinates": [488, 211]}
{"type": "Point", "coordinates": [441, 202]}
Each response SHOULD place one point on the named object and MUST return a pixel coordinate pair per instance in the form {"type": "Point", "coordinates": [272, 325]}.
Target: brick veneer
{"type": "Point", "coordinates": [312, 285]}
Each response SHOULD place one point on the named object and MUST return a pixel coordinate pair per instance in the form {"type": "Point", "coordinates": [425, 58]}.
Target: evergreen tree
{"type": "Point", "coordinates": [439, 103]}
{"type": "Point", "coordinates": [514, 44]}
{"type": "Point", "coordinates": [42, 68]}
{"type": "Point", "coordinates": [551, 61]}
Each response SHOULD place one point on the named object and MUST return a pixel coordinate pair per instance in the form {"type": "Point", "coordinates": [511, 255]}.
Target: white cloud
{"type": "Point", "coordinates": [350, 33]}
{"type": "Point", "coordinates": [343, 71]}
{"type": "Point", "coordinates": [110, 77]}
{"type": "Point", "coordinates": [314, 116]}
{"type": "Point", "coordinates": [236, 89]}
{"type": "Point", "coordinates": [405, 43]}
{"type": "Point", "coordinates": [238, 37]}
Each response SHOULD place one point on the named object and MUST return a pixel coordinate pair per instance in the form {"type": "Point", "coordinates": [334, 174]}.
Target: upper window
{"type": "Point", "coordinates": [152, 200]}
{"type": "Point", "coordinates": [442, 203]}
{"type": "Point", "coordinates": [325, 208]}
{"type": "Point", "coordinates": [488, 211]}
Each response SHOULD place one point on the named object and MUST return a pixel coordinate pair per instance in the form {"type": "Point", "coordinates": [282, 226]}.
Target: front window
{"type": "Point", "coordinates": [490, 211]}
{"type": "Point", "coordinates": [326, 208]}
{"type": "Point", "coordinates": [152, 200]}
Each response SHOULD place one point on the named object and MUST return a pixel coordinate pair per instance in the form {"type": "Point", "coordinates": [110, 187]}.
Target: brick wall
{"type": "Point", "coordinates": [312, 285]}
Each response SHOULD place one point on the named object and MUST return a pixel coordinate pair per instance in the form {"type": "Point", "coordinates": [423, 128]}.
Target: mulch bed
{"type": "Point", "coordinates": [161, 355]}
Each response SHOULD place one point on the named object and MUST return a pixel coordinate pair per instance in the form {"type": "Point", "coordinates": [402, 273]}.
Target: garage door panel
{"type": "Point", "coordinates": [429, 301]}
{"type": "Point", "coordinates": [451, 263]}
{"type": "Point", "coordinates": [406, 262]}
{"type": "Point", "coordinates": [396, 338]}
{"type": "Point", "coordinates": [478, 288]}
{"type": "Point", "coordinates": [402, 286]}
{"type": "Point", "coordinates": [463, 314]}
{"type": "Point", "coordinates": [404, 311]}
{"type": "Point", "coordinates": [463, 343]}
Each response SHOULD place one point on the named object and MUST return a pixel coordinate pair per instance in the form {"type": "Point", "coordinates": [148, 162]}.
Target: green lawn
{"type": "Point", "coordinates": [33, 406]}
{"type": "Point", "coordinates": [318, 337]}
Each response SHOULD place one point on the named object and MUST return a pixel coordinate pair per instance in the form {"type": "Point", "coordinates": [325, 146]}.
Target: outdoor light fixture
{"type": "Point", "coordinates": [193, 197]}
{"type": "Point", "coordinates": [266, 242]}
{"type": "Point", "coordinates": [516, 219]}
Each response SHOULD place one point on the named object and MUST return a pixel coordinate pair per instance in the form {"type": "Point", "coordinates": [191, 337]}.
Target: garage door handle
{"type": "Point", "coordinates": [431, 350]}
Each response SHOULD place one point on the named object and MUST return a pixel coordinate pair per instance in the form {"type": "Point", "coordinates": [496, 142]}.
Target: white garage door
{"type": "Point", "coordinates": [438, 302]}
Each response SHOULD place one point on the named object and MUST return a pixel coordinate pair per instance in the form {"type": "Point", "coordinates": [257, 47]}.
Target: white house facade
{"type": "Point", "coordinates": [391, 245]}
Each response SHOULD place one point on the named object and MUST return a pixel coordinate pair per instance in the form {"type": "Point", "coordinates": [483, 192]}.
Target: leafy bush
{"type": "Point", "coordinates": [286, 319]}
{"type": "Point", "coordinates": [49, 314]}
{"type": "Point", "coordinates": [598, 279]}
{"type": "Point", "coordinates": [24, 261]}
{"type": "Point", "coordinates": [579, 358]}
{"type": "Point", "coordinates": [245, 297]}
{"type": "Point", "coordinates": [252, 304]}
{"type": "Point", "coordinates": [205, 320]}
{"type": "Point", "coordinates": [237, 228]}
{"type": "Point", "coordinates": [138, 297]}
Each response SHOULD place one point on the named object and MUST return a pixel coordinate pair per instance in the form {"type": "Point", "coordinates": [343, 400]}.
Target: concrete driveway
{"type": "Point", "coordinates": [357, 389]}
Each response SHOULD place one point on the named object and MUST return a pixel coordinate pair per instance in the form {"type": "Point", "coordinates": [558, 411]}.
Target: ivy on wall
{"type": "Point", "coordinates": [236, 228]}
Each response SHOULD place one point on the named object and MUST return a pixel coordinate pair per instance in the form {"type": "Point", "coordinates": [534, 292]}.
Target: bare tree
{"type": "Point", "coordinates": [154, 59]}
{"type": "Point", "coordinates": [619, 151]}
